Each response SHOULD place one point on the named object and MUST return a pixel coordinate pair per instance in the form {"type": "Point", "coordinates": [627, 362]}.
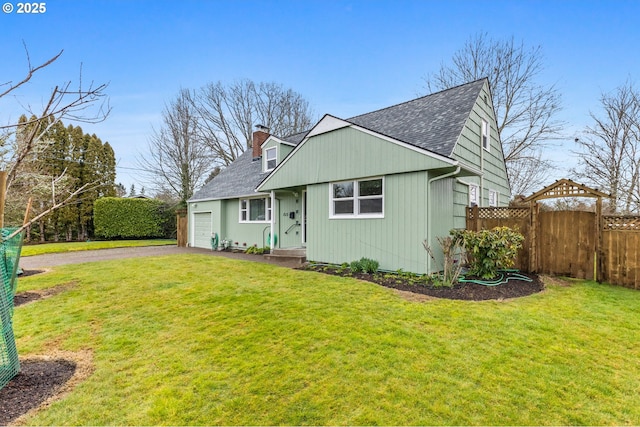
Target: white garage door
{"type": "Point", "coordinates": [202, 230]}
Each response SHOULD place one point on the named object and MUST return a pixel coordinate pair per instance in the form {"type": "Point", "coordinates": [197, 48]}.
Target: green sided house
{"type": "Point", "coordinates": [375, 185]}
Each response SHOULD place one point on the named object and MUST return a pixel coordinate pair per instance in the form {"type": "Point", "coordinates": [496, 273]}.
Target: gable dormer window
{"type": "Point", "coordinates": [270, 159]}
{"type": "Point", "coordinates": [486, 132]}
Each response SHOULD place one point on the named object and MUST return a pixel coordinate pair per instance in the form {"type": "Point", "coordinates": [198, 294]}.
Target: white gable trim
{"type": "Point", "coordinates": [329, 123]}
{"type": "Point", "coordinates": [278, 140]}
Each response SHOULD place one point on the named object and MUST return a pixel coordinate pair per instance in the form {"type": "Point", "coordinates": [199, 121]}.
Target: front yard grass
{"type": "Point", "coordinates": [51, 248]}
{"type": "Point", "coordinates": [195, 340]}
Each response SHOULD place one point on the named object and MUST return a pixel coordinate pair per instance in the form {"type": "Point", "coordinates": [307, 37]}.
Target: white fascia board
{"type": "Point", "coordinates": [244, 196]}
{"type": "Point", "coordinates": [471, 169]}
{"type": "Point", "coordinates": [278, 140]}
{"type": "Point", "coordinates": [327, 124]}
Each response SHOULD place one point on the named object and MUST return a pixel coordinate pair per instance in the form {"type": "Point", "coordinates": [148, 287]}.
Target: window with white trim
{"type": "Point", "coordinates": [362, 198]}
{"type": "Point", "coordinates": [270, 159]}
{"type": "Point", "coordinates": [493, 198]}
{"type": "Point", "coordinates": [486, 133]}
{"type": "Point", "coordinates": [474, 196]}
{"type": "Point", "coordinates": [255, 210]}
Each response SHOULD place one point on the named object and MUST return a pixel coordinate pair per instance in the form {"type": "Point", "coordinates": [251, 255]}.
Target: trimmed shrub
{"type": "Point", "coordinates": [122, 218]}
{"type": "Point", "coordinates": [489, 251]}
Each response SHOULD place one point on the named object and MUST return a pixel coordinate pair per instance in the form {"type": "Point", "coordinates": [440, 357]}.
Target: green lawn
{"type": "Point", "coordinates": [50, 248]}
{"type": "Point", "coordinates": [195, 339]}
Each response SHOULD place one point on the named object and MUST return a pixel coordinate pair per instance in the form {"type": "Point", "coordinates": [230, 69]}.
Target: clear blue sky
{"type": "Point", "coordinates": [345, 57]}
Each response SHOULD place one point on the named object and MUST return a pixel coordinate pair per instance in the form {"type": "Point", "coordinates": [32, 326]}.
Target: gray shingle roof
{"type": "Point", "coordinates": [240, 178]}
{"type": "Point", "coordinates": [296, 138]}
{"type": "Point", "coordinates": [433, 122]}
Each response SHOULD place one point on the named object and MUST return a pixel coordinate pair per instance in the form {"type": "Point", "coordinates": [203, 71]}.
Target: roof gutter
{"type": "Point", "coordinates": [429, 182]}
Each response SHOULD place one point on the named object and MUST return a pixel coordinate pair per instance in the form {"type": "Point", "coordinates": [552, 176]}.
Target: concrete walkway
{"type": "Point", "coordinates": [51, 260]}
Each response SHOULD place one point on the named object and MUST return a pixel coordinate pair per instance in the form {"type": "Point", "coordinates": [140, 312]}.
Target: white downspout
{"type": "Point", "coordinates": [435, 178]}
{"type": "Point", "coordinates": [272, 224]}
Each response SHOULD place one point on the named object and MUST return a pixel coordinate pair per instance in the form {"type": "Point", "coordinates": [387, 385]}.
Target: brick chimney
{"type": "Point", "coordinates": [260, 135]}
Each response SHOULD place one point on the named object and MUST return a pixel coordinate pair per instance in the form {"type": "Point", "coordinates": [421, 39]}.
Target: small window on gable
{"type": "Point", "coordinates": [486, 133]}
{"type": "Point", "coordinates": [271, 159]}
{"type": "Point", "coordinates": [493, 198]}
{"type": "Point", "coordinates": [474, 196]}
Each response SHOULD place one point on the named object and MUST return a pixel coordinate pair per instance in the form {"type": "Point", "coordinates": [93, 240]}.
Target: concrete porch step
{"type": "Point", "coordinates": [298, 255]}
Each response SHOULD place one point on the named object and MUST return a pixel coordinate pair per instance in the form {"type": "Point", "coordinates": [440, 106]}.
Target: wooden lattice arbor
{"type": "Point", "coordinates": [583, 228]}
{"type": "Point", "coordinates": [580, 244]}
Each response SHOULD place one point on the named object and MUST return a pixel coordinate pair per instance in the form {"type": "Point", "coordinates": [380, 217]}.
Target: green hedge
{"type": "Point", "coordinates": [121, 218]}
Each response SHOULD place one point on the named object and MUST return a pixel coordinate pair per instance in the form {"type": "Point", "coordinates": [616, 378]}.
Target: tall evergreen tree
{"type": "Point", "coordinates": [66, 160]}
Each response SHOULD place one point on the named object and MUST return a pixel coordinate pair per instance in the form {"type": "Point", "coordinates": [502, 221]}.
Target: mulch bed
{"type": "Point", "coordinates": [37, 381]}
{"type": "Point", "coordinates": [513, 288]}
{"type": "Point", "coordinates": [22, 298]}
{"type": "Point", "coordinates": [27, 273]}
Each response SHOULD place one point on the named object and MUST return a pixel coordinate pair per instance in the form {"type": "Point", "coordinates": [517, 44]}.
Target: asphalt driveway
{"type": "Point", "coordinates": [51, 260]}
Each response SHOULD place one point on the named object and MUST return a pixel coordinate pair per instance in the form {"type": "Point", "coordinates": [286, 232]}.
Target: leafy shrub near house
{"type": "Point", "coordinates": [121, 218]}
{"type": "Point", "coordinates": [257, 251]}
{"type": "Point", "coordinates": [489, 250]}
{"type": "Point", "coordinates": [364, 265]}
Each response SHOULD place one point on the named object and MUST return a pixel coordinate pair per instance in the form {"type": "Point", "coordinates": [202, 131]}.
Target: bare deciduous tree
{"type": "Point", "coordinates": [65, 102]}
{"type": "Point", "coordinates": [177, 156]}
{"type": "Point", "coordinates": [229, 114]}
{"type": "Point", "coordinates": [207, 130]}
{"type": "Point", "coordinates": [21, 143]}
{"type": "Point", "coordinates": [610, 149]}
{"type": "Point", "coordinates": [525, 110]}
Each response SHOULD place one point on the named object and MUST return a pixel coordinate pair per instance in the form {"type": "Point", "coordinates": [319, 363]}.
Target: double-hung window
{"type": "Point", "coordinates": [271, 159]}
{"type": "Point", "coordinates": [486, 133]}
{"type": "Point", "coordinates": [362, 198]}
{"type": "Point", "coordinates": [493, 198]}
{"type": "Point", "coordinates": [474, 196]}
{"type": "Point", "coordinates": [255, 210]}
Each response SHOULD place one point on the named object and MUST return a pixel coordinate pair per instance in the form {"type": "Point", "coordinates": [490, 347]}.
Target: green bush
{"type": "Point", "coordinates": [489, 251]}
{"type": "Point", "coordinates": [255, 250]}
{"type": "Point", "coordinates": [355, 266]}
{"type": "Point", "coordinates": [122, 218]}
{"type": "Point", "coordinates": [364, 265]}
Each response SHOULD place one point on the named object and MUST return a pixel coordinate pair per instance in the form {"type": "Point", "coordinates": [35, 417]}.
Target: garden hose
{"type": "Point", "coordinates": [504, 277]}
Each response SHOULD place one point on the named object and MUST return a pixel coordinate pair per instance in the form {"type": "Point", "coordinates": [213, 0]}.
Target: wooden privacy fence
{"type": "Point", "coordinates": [182, 228]}
{"type": "Point", "coordinates": [578, 244]}
{"type": "Point", "coordinates": [621, 250]}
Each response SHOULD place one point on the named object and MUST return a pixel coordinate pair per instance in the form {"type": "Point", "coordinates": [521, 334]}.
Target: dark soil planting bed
{"type": "Point", "coordinates": [37, 381]}
{"type": "Point", "coordinates": [515, 287]}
